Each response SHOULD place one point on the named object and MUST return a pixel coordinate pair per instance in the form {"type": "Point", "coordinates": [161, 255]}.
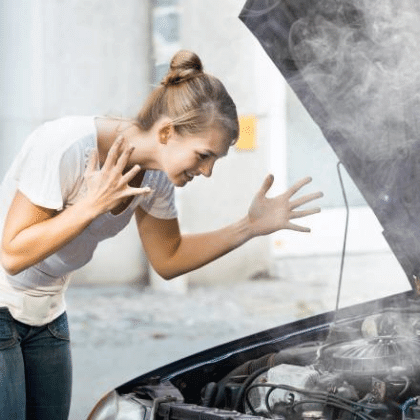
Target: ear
{"type": "Point", "coordinates": [165, 131]}
{"type": "Point", "coordinates": [164, 134]}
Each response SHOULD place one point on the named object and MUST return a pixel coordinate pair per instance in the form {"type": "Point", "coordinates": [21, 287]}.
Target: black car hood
{"type": "Point", "coordinates": [356, 71]}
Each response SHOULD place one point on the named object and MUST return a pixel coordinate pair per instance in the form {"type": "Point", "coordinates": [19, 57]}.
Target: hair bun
{"type": "Point", "coordinates": [184, 66]}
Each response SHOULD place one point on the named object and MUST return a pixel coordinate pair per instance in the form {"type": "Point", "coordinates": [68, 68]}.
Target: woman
{"type": "Point", "coordinates": [79, 180]}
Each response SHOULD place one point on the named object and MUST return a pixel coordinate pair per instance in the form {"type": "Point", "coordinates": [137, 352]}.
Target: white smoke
{"type": "Point", "coordinates": [361, 59]}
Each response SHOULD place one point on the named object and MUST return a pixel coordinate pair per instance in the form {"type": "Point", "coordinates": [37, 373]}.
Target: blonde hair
{"type": "Point", "coordinates": [194, 100]}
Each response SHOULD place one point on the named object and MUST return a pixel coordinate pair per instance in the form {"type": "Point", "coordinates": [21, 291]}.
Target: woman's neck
{"type": "Point", "coordinates": [145, 153]}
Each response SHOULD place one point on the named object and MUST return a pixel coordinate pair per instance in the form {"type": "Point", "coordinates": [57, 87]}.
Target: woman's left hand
{"type": "Point", "coordinates": [267, 215]}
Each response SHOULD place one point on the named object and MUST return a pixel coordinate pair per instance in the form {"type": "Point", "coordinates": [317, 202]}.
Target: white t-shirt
{"type": "Point", "coordinates": [49, 171]}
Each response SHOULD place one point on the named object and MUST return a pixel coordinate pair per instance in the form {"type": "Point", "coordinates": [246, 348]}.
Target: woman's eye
{"type": "Point", "coordinates": [202, 156]}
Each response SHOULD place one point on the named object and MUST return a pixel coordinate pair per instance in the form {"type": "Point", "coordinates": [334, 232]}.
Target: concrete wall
{"type": "Point", "coordinates": [227, 49]}
{"type": "Point", "coordinates": [75, 57]}
{"type": "Point", "coordinates": [18, 95]}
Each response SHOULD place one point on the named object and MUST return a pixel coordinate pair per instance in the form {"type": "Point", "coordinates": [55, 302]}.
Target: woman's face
{"type": "Point", "coordinates": [186, 156]}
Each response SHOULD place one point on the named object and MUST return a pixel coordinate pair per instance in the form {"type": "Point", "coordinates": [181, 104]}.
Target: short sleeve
{"type": "Point", "coordinates": [46, 168]}
{"type": "Point", "coordinates": [161, 203]}
{"type": "Point", "coordinates": [37, 170]}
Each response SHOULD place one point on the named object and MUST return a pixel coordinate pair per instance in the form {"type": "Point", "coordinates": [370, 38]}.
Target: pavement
{"type": "Point", "coordinates": [121, 332]}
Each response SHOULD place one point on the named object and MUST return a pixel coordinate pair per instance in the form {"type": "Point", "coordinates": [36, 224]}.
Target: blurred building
{"type": "Point", "coordinates": [104, 56]}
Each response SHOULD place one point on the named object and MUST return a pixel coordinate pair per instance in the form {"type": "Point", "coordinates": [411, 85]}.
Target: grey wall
{"type": "Point", "coordinates": [17, 95]}
{"type": "Point", "coordinates": [59, 58]}
{"type": "Point", "coordinates": [74, 57]}
{"type": "Point", "coordinates": [213, 30]}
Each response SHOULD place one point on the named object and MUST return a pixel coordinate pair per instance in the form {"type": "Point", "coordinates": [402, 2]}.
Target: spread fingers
{"type": "Point", "coordinates": [298, 228]}
{"type": "Point", "coordinates": [113, 154]}
{"type": "Point", "coordinates": [303, 213]}
{"type": "Point", "coordinates": [298, 185]}
{"type": "Point", "coordinates": [127, 177]}
{"type": "Point", "coordinates": [305, 199]}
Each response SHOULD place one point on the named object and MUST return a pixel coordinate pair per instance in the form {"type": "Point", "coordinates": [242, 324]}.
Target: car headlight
{"type": "Point", "coordinates": [113, 406]}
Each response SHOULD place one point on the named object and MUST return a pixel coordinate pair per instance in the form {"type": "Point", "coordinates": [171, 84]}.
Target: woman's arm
{"type": "Point", "coordinates": [173, 254]}
{"type": "Point", "coordinates": [31, 233]}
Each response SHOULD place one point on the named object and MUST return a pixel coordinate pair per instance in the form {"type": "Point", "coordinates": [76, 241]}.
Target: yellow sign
{"type": "Point", "coordinates": [247, 133]}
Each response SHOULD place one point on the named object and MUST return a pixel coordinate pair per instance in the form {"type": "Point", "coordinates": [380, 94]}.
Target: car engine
{"type": "Point", "coordinates": [368, 368]}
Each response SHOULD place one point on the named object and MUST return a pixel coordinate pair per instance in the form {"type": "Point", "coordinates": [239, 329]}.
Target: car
{"type": "Point", "coordinates": [359, 362]}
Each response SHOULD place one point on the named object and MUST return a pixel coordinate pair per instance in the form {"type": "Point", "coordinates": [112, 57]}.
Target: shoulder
{"type": "Point", "coordinates": [56, 136]}
{"type": "Point", "coordinates": [59, 149]}
{"type": "Point", "coordinates": [52, 160]}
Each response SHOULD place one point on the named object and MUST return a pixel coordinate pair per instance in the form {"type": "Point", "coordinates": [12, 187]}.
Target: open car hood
{"type": "Point", "coordinates": [353, 66]}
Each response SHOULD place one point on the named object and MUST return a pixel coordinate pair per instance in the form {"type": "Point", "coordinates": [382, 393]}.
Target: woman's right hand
{"type": "Point", "coordinates": [109, 186]}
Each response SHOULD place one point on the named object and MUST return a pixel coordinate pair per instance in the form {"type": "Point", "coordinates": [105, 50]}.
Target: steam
{"type": "Point", "coordinates": [362, 61]}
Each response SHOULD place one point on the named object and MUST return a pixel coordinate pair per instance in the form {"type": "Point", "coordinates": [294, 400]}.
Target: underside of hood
{"type": "Point", "coordinates": [355, 66]}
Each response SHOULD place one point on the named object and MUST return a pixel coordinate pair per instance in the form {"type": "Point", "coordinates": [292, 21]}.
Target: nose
{"type": "Point", "coordinates": [206, 169]}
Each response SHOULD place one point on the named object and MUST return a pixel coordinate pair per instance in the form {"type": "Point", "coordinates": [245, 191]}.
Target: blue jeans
{"type": "Point", "coordinates": [35, 369]}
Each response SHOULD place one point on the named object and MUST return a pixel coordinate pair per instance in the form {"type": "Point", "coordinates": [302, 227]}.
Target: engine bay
{"type": "Point", "coordinates": [366, 368]}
